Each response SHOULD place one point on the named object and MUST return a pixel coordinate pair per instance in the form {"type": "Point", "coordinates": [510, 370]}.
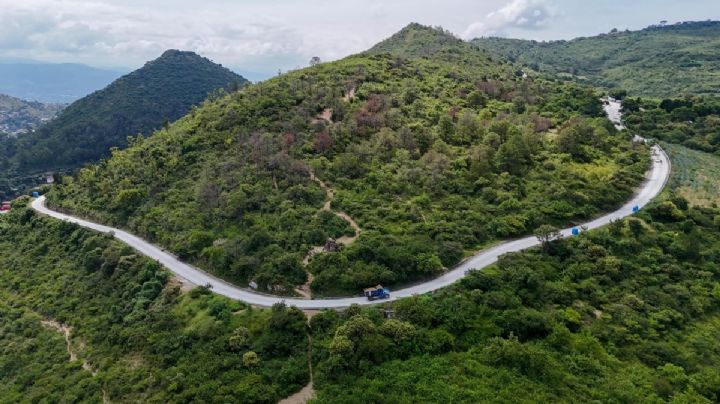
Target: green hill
{"type": "Point", "coordinates": [431, 147]}
{"type": "Point", "coordinates": [658, 61]}
{"type": "Point", "coordinates": [626, 313]}
{"type": "Point", "coordinates": [690, 121]}
{"type": "Point", "coordinates": [434, 150]}
{"type": "Point", "coordinates": [132, 334]}
{"type": "Point", "coordinates": [163, 90]}
{"type": "Point", "coordinates": [19, 116]}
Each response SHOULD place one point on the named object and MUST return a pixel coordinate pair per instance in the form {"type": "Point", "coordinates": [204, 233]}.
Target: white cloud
{"type": "Point", "coordinates": [523, 14]}
{"type": "Point", "coordinates": [92, 31]}
{"type": "Point", "coordinates": [248, 34]}
{"type": "Point", "coordinates": [267, 35]}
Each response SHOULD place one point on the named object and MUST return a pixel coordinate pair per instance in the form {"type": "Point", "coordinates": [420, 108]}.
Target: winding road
{"type": "Point", "coordinates": [653, 185]}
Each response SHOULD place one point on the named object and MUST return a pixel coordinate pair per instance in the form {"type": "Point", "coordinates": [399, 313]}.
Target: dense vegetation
{"type": "Point", "coordinates": [163, 90]}
{"type": "Point", "coordinates": [692, 121]}
{"type": "Point", "coordinates": [430, 146]}
{"type": "Point", "coordinates": [696, 175]}
{"type": "Point", "coordinates": [136, 336]}
{"type": "Point", "coordinates": [19, 116]}
{"type": "Point", "coordinates": [626, 313]}
{"type": "Point", "coordinates": [434, 150]}
{"type": "Point", "coordinates": [658, 61]}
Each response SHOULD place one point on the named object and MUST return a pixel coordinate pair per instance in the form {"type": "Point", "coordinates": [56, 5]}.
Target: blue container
{"type": "Point", "coordinates": [575, 231]}
{"type": "Point", "coordinates": [636, 208]}
{"type": "Point", "coordinates": [36, 194]}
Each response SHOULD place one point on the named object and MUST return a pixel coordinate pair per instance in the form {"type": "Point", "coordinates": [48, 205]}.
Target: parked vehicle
{"type": "Point", "coordinates": [378, 292]}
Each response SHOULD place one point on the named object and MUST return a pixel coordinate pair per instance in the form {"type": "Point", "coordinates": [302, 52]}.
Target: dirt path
{"type": "Point", "coordinates": [304, 290]}
{"type": "Point", "coordinates": [325, 115]}
{"type": "Point", "coordinates": [349, 95]}
{"type": "Point", "coordinates": [330, 195]}
{"type": "Point", "coordinates": [302, 396]}
{"type": "Point", "coordinates": [65, 331]}
{"type": "Point", "coordinates": [308, 392]}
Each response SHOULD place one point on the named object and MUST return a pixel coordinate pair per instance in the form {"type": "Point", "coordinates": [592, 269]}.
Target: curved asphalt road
{"type": "Point", "coordinates": [653, 185]}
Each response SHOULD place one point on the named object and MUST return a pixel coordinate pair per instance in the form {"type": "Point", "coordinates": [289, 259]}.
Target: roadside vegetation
{"type": "Point", "coordinates": [431, 147]}
{"type": "Point", "coordinates": [135, 335]}
{"type": "Point", "coordinates": [690, 121]}
{"type": "Point", "coordinates": [626, 313]}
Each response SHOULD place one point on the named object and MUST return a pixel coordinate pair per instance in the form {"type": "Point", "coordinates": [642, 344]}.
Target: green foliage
{"type": "Point", "coordinates": [626, 313]}
{"type": "Point", "coordinates": [691, 121]}
{"type": "Point", "coordinates": [696, 175]}
{"type": "Point", "coordinates": [431, 156]}
{"type": "Point", "coordinates": [656, 61]}
{"type": "Point", "coordinates": [163, 90]}
{"type": "Point", "coordinates": [145, 339]}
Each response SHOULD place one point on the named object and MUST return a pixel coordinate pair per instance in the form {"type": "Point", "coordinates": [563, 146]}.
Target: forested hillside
{"type": "Point", "coordinates": [162, 91]}
{"type": "Point", "coordinates": [133, 334]}
{"type": "Point", "coordinates": [691, 121]}
{"type": "Point", "coordinates": [625, 313]}
{"type": "Point", "coordinates": [415, 154]}
{"type": "Point", "coordinates": [432, 148]}
{"type": "Point", "coordinates": [19, 116]}
{"type": "Point", "coordinates": [658, 61]}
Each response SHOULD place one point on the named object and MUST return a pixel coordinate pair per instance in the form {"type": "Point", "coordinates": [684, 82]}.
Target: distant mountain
{"type": "Point", "coordinates": [658, 61]}
{"type": "Point", "coordinates": [19, 116]}
{"type": "Point", "coordinates": [161, 91]}
{"type": "Point", "coordinates": [52, 83]}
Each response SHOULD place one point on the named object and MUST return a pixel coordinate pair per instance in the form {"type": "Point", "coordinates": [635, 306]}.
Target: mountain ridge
{"type": "Point", "coordinates": [658, 61]}
{"type": "Point", "coordinates": [163, 90]}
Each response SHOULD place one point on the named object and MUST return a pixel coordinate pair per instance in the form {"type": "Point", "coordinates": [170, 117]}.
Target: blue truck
{"type": "Point", "coordinates": [378, 292]}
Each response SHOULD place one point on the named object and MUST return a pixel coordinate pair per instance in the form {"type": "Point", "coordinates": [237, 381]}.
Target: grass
{"type": "Point", "coordinates": [695, 175]}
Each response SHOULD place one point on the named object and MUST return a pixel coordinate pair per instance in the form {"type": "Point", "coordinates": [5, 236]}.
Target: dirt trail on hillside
{"type": "Point", "coordinates": [350, 95]}
{"type": "Point", "coordinates": [304, 290]}
{"type": "Point", "coordinates": [66, 331]}
{"type": "Point", "coordinates": [308, 392]}
{"type": "Point", "coordinates": [325, 115]}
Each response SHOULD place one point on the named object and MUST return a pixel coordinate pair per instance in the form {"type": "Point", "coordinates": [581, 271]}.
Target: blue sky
{"type": "Point", "coordinates": [261, 37]}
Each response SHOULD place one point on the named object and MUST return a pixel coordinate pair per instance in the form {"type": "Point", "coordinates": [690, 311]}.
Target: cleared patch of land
{"type": "Point", "coordinates": [695, 175]}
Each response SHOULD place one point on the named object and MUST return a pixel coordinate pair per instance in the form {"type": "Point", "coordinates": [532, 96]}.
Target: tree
{"type": "Point", "coordinates": [315, 60]}
{"type": "Point", "coordinates": [239, 339]}
{"type": "Point", "coordinates": [323, 142]}
{"type": "Point", "coordinates": [250, 359]}
{"type": "Point", "coordinates": [546, 234]}
{"type": "Point", "coordinates": [477, 99]}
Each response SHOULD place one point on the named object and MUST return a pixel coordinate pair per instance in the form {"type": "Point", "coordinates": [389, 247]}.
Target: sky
{"type": "Point", "coordinates": [259, 38]}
